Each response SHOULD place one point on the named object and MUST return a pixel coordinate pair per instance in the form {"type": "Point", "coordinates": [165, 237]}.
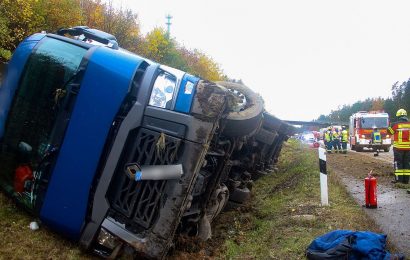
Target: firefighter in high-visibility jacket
{"type": "Point", "coordinates": [345, 137]}
{"type": "Point", "coordinates": [328, 140]}
{"type": "Point", "coordinates": [336, 141]}
{"type": "Point", "coordinates": [376, 140]}
{"type": "Point", "coordinates": [400, 132]}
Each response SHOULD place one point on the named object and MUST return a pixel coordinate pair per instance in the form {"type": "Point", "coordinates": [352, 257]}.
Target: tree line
{"type": "Point", "coordinates": [400, 99]}
{"type": "Point", "coordinates": [21, 18]}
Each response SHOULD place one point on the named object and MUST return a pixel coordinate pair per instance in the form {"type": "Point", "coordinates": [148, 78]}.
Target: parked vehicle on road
{"type": "Point", "coordinates": [116, 151]}
{"type": "Point", "coordinates": [361, 126]}
{"type": "Point", "coordinates": [310, 138]}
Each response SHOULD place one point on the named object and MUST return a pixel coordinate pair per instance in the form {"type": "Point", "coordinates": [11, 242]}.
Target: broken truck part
{"type": "Point", "coordinates": [113, 150]}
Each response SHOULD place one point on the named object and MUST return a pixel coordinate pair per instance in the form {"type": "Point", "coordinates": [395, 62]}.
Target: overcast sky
{"type": "Point", "coordinates": [304, 57]}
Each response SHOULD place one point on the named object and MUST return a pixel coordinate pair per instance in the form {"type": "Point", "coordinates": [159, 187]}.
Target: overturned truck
{"type": "Point", "coordinates": [113, 150]}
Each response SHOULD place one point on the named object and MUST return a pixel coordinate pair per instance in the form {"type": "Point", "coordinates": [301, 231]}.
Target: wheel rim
{"type": "Point", "coordinates": [240, 100]}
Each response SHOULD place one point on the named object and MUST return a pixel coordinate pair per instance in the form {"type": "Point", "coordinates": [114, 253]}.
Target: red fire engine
{"type": "Point", "coordinates": [361, 126]}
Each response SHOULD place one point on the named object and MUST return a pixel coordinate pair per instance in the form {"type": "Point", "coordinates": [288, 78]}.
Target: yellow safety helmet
{"type": "Point", "coordinates": [401, 112]}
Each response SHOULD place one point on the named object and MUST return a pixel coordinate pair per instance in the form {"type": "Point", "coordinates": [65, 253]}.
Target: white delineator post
{"type": "Point", "coordinates": [323, 177]}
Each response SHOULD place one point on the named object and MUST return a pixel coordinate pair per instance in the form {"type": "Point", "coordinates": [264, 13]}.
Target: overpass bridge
{"type": "Point", "coordinates": [315, 123]}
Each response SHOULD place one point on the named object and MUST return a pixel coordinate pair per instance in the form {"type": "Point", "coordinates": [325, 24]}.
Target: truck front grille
{"type": "Point", "coordinates": [140, 201]}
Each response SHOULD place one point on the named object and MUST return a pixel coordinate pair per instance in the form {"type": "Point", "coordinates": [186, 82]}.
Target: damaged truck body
{"type": "Point", "coordinates": [113, 150]}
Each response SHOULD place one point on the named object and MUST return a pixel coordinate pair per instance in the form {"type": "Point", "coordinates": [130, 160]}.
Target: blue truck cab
{"type": "Point", "coordinates": [114, 150]}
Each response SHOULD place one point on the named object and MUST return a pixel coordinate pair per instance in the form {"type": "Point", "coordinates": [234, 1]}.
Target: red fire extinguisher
{"type": "Point", "coordinates": [370, 190]}
{"type": "Point", "coordinates": [22, 175]}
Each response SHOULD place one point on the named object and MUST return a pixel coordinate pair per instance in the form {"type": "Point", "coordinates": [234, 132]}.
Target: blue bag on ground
{"type": "Point", "coordinates": [352, 245]}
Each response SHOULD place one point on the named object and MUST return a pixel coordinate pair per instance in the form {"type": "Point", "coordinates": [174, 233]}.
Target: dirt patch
{"type": "Point", "coordinates": [358, 165]}
{"type": "Point", "coordinates": [290, 183]}
{"type": "Point", "coordinates": [194, 248]}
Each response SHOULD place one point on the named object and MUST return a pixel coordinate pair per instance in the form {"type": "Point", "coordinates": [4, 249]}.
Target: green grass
{"type": "Point", "coordinates": [18, 241]}
{"type": "Point", "coordinates": [286, 215]}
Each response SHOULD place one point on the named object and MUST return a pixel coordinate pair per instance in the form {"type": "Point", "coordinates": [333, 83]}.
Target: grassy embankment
{"type": "Point", "coordinates": [285, 214]}
{"type": "Point", "coordinates": [19, 242]}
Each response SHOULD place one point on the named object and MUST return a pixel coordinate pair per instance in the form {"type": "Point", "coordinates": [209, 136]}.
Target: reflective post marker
{"type": "Point", "coordinates": [323, 177]}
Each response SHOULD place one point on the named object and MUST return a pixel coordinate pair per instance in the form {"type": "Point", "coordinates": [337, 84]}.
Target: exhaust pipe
{"type": "Point", "coordinates": [153, 172]}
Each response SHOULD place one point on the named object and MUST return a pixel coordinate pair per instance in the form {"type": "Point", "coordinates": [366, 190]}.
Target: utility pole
{"type": "Point", "coordinates": [168, 23]}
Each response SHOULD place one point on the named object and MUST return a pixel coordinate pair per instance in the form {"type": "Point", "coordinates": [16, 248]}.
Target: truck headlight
{"type": "Point", "coordinates": [363, 136]}
{"type": "Point", "coordinates": [107, 240]}
{"type": "Point", "coordinates": [158, 98]}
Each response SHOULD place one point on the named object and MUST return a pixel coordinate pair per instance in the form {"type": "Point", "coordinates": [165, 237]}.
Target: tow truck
{"type": "Point", "coordinates": [118, 152]}
{"type": "Point", "coordinates": [361, 126]}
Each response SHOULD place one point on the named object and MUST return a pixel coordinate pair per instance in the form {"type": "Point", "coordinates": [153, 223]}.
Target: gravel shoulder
{"type": "Point", "coordinates": [393, 212]}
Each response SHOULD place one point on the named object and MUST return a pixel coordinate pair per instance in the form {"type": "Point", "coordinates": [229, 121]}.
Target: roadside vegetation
{"type": "Point", "coordinates": [21, 18]}
{"type": "Point", "coordinates": [285, 214]}
{"type": "Point", "coordinates": [18, 241]}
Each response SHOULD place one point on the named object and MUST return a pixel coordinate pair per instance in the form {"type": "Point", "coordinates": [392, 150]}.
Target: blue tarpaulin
{"type": "Point", "coordinates": [352, 245]}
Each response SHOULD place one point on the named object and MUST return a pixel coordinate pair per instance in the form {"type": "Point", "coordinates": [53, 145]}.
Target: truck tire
{"type": "Point", "coordinates": [240, 195]}
{"type": "Point", "coordinates": [359, 149]}
{"type": "Point", "coordinates": [386, 149]}
{"type": "Point", "coordinates": [353, 147]}
{"type": "Point", "coordinates": [247, 120]}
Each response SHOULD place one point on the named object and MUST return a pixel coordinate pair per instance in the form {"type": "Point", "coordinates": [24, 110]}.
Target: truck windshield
{"type": "Point", "coordinates": [374, 122]}
{"type": "Point", "coordinates": [36, 103]}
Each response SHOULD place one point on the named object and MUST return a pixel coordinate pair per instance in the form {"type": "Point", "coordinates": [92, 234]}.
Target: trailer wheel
{"type": "Point", "coordinates": [246, 110]}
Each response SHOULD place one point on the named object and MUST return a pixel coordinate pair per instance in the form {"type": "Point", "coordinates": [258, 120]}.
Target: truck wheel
{"type": "Point", "coordinates": [386, 149]}
{"type": "Point", "coordinates": [230, 205]}
{"type": "Point", "coordinates": [246, 110]}
{"type": "Point", "coordinates": [359, 149]}
{"type": "Point", "coordinates": [353, 147]}
{"type": "Point", "coordinates": [240, 195]}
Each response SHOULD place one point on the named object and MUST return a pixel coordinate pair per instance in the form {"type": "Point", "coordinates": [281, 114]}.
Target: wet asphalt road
{"type": "Point", "coordinates": [386, 157]}
{"type": "Point", "coordinates": [393, 212]}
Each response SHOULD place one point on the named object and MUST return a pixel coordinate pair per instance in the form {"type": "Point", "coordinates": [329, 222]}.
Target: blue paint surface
{"type": "Point", "coordinates": [186, 93]}
{"type": "Point", "coordinates": [138, 176]}
{"type": "Point", "coordinates": [105, 84]}
{"type": "Point", "coordinates": [15, 69]}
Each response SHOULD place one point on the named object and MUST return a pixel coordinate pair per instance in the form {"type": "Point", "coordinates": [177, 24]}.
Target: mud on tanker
{"type": "Point", "coordinates": [118, 152]}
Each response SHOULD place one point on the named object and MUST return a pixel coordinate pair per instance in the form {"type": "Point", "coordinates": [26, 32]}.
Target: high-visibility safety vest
{"type": "Point", "coordinates": [327, 136]}
{"type": "Point", "coordinates": [335, 135]}
{"type": "Point", "coordinates": [402, 172]}
{"type": "Point", "coordinates": [377, 137]}
{"type": "Point", "coordinates": [345, 136]}
{"type": "Point", "coordinates": [401, 135]}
